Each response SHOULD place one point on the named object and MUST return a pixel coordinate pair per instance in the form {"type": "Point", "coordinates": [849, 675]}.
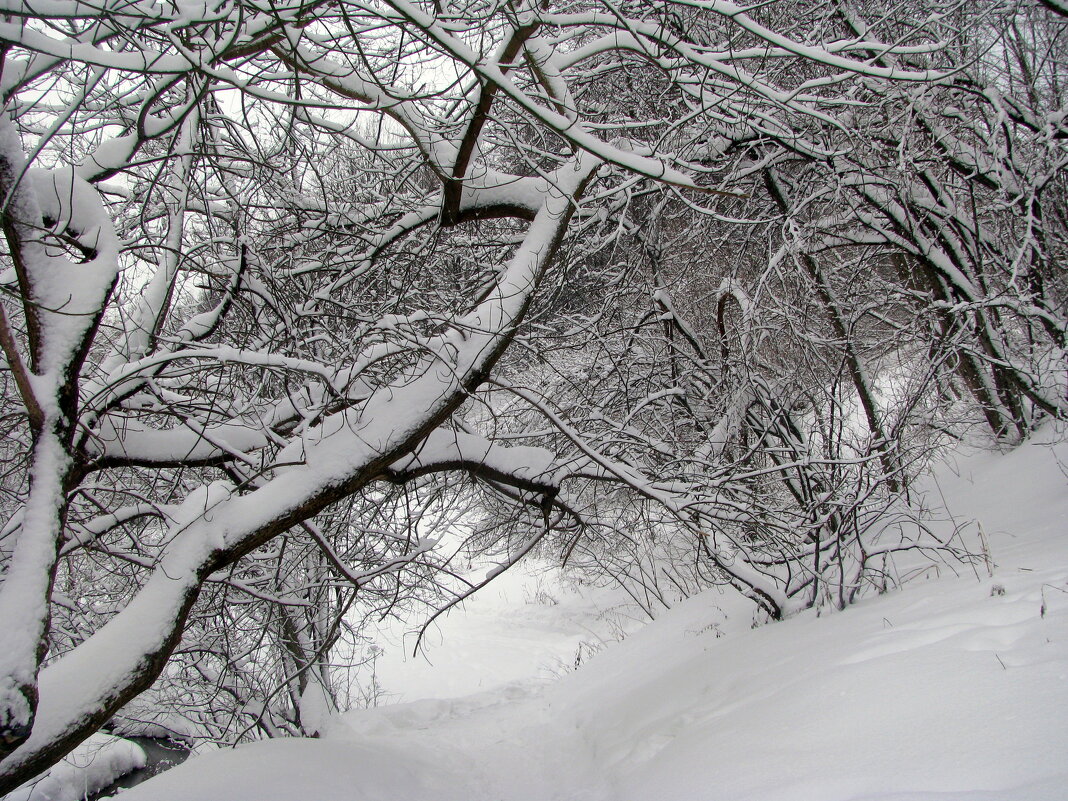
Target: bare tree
{"type": "Point", "coordinates": [267, 264]}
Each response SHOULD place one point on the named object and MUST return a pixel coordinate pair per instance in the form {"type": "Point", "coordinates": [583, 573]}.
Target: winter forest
{"type": "Point", "coordinates": [318, 313]}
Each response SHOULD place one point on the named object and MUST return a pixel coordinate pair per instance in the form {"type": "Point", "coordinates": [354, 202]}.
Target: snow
{"type": "Point", "coordinates": [953, 687]}
{"type": "Point", "coordinates": [516, 463]}
{"type": "Point", "coordinates": [525, 628]}
{"type": "Point", "coordinates": [70, 294]}
{"type": "Point", "coordinates": [315, 707]}
{"type": "Point", "coordinates": [93, 765]}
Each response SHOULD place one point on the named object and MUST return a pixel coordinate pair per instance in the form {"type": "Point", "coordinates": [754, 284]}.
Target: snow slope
{"type": "Point", "coordinates": [954, 688]}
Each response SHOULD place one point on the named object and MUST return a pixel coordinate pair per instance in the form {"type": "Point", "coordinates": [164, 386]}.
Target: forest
{"type": "Point", "coordinates": [305, 304]}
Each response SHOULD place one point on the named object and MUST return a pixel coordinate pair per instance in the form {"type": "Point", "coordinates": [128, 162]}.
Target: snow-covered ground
{"type": "Point", "coordinates": [954, 688]}
{"type": "Point", "coordinates": [527, 627]}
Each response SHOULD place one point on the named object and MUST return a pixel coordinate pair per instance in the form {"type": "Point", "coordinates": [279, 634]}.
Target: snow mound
{"type": "Point", "coordinates": [92, 766]}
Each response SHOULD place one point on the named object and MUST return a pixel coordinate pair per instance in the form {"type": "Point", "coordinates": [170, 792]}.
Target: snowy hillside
{"type": "Point", "coordinates": [955, 687]}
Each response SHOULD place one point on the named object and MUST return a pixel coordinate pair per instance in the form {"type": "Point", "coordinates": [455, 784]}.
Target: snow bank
{"type": "Point", "coordinates": [953, 688]}
{"type": "Point", "coordinates": [298, 769]}
{"type": "Point", "coordinates": [92, 766]}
